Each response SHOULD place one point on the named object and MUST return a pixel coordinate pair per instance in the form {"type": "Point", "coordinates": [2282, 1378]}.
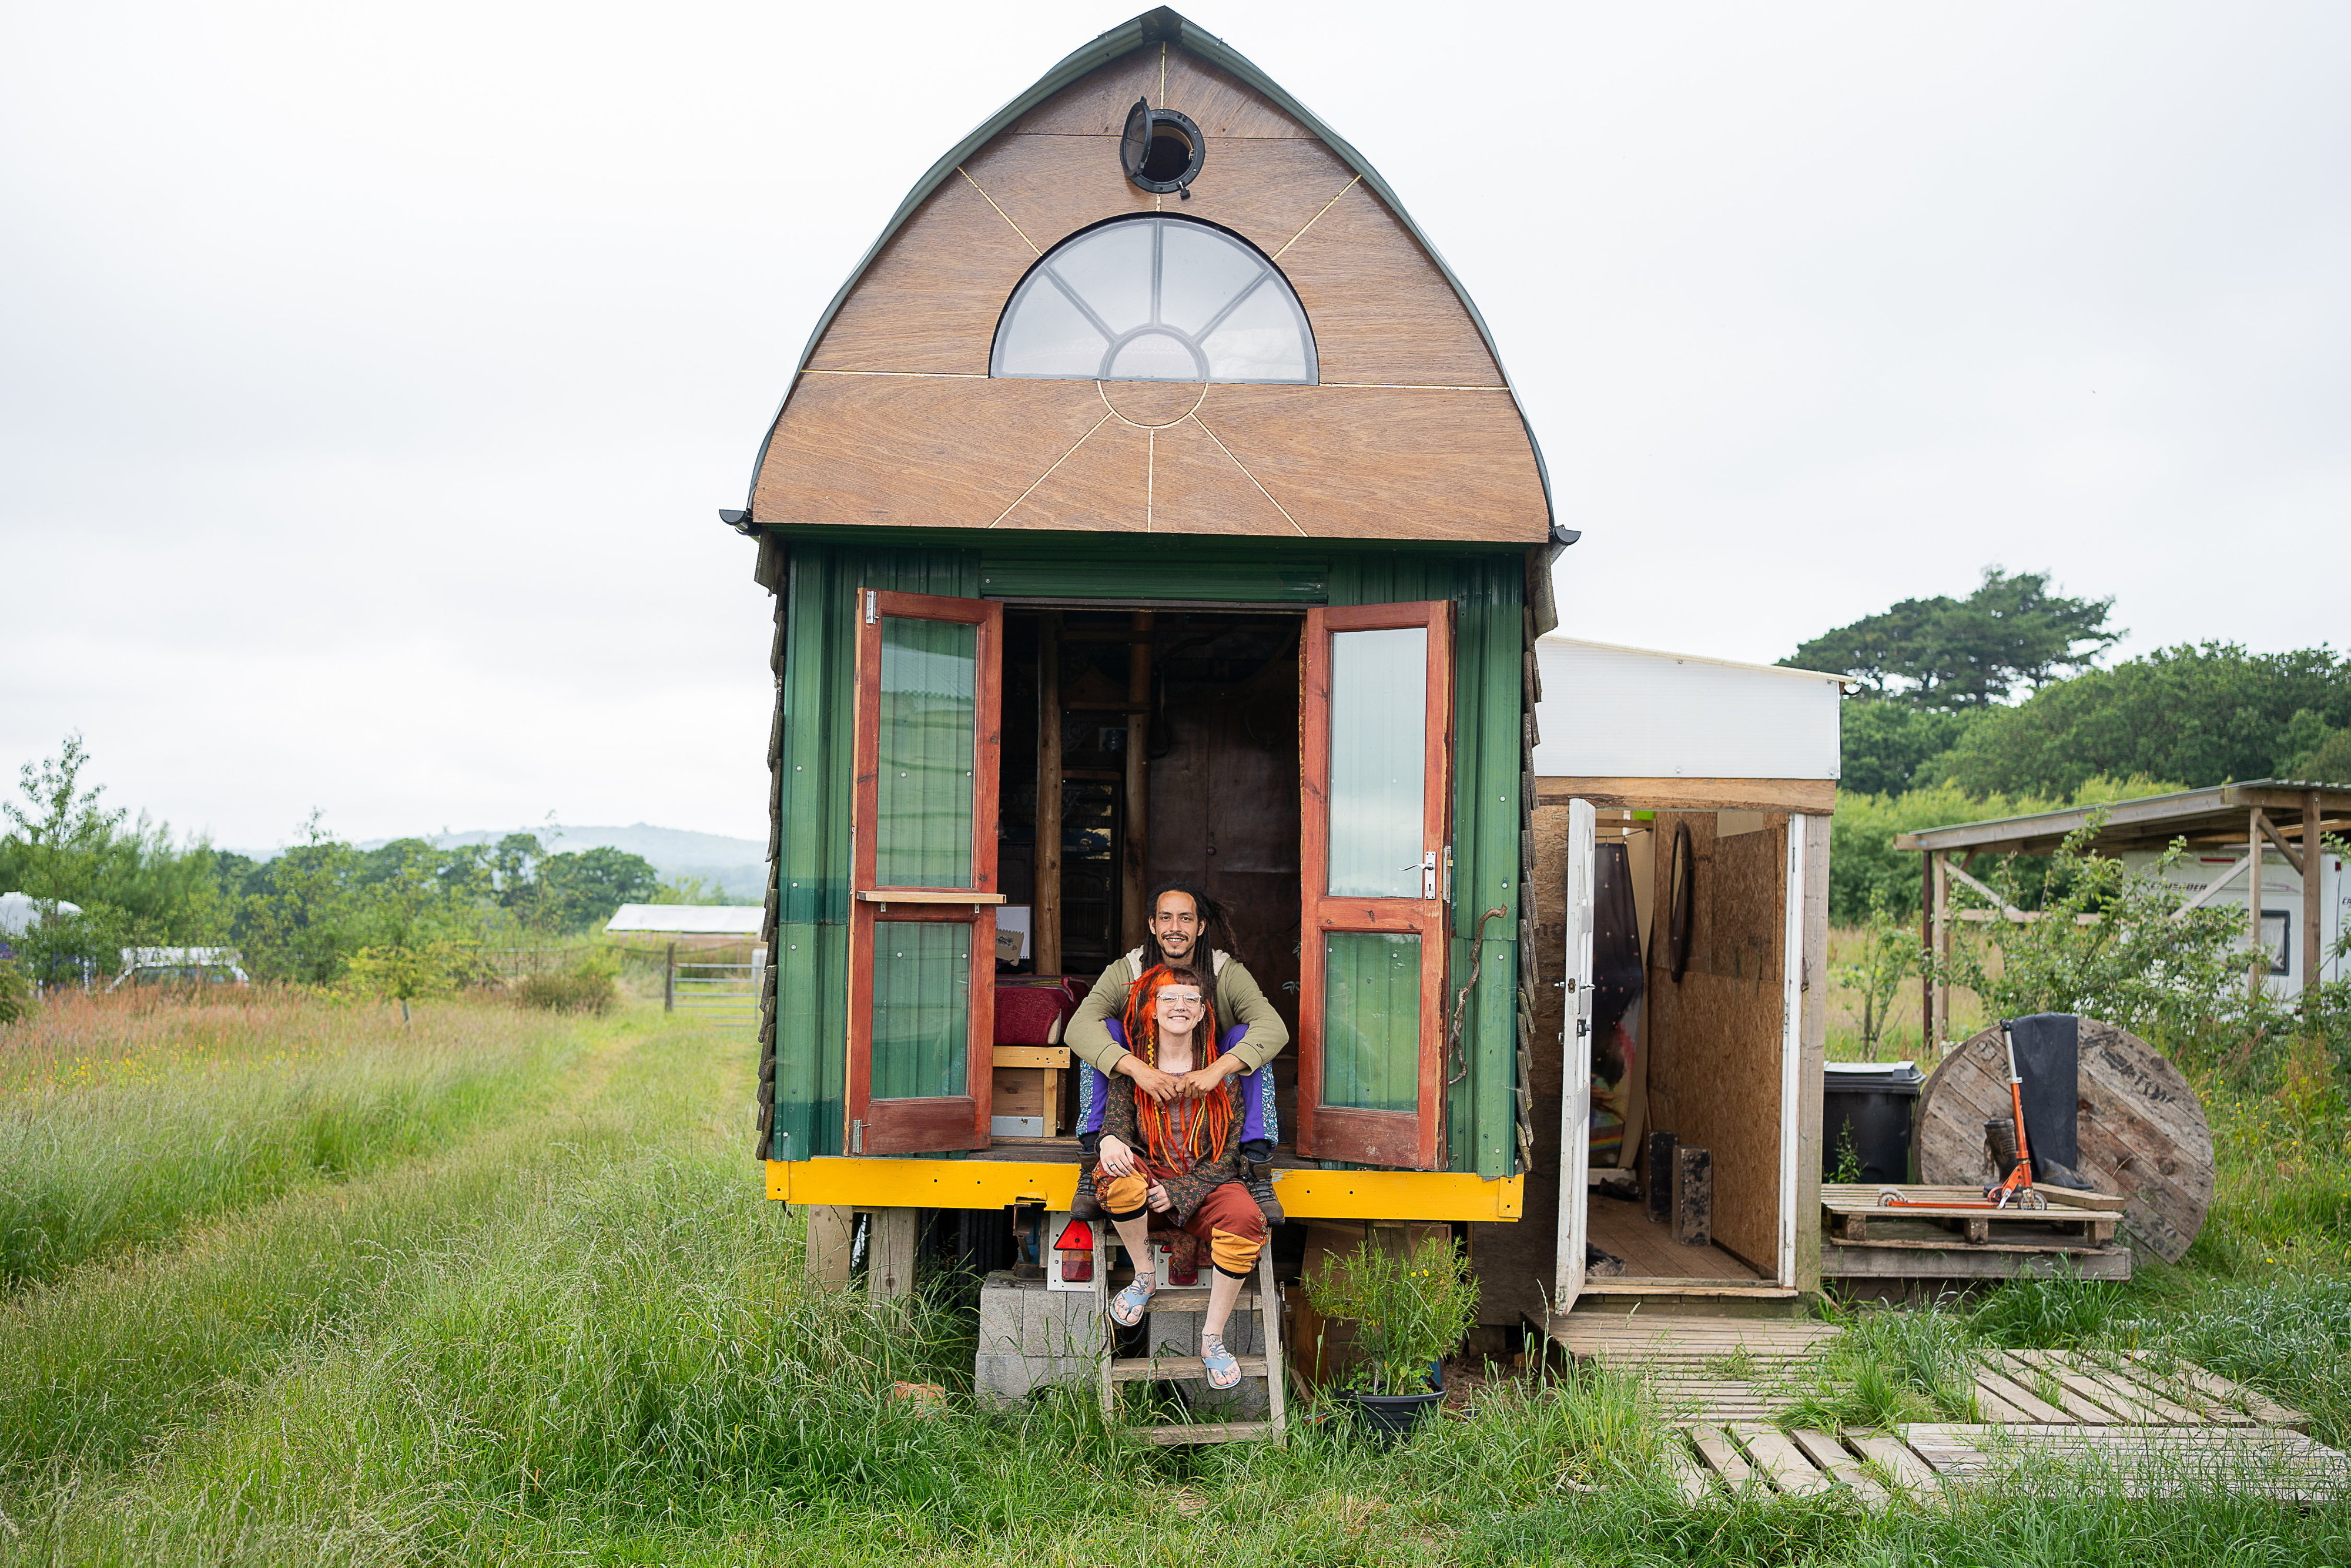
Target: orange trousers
{"type": "Point", "coordinates": [1227, 1219]}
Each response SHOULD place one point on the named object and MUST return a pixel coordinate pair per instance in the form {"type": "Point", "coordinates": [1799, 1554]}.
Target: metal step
{"type": "Point", "coordinates": [1206, 1432]}
{"type": "Point", "coordinates": [1174, 1368]}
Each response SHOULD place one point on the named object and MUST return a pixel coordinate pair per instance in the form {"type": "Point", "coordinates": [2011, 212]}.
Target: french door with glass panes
{"type": "Point", "coordinates": [921, 931]}
{"type": "Point", "coordinates": [1376, 742]}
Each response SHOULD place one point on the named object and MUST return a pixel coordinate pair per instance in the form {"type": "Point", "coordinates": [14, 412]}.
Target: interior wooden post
{"type": "Point", "coordinates": [1045, 919]}
{"type": "Point", "coordinates": [1134, 917]}
{"type": "Point", "coordinates": [2257, 965]}
{"type": "Point", "coordinates": [2311, 948]}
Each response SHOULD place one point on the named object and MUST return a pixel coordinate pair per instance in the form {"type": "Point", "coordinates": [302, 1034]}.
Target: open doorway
{"type": "Point", "coordinates": [1691, 1030]}
{"type": "Point", "coordinates": [1143, 747]}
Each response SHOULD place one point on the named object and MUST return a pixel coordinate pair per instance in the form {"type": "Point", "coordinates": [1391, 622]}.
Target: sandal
{"type": "Point", "coordinates": [1127, 1308]}
{"type": "Point", "coordinates": [1223, 1368]}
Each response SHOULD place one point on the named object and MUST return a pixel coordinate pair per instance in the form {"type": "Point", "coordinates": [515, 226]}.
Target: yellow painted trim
{"type": "Point", "coordinates": [1399, 1194]}
{"type": "Point", "coordinates": [994, 1184]}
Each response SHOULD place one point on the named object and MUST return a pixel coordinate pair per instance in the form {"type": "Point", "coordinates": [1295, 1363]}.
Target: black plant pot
{"type": "Point", "coordinates": [1388, 1417]}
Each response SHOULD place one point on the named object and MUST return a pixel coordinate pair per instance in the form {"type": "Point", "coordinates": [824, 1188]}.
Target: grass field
{"type": "Point", "coordinates": [533, 1310]}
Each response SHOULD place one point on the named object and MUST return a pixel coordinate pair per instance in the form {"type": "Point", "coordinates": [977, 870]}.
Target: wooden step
{"type": "Point", "coordinates": [1174, 1368]}
{"type": "Point", "coordinates": [1206, 1432]}
{"type": "Point", "coordinates": [1194, 1299]}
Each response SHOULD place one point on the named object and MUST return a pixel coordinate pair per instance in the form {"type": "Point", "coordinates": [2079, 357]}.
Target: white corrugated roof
{"type": "Point", "coordinates": [688, 919]}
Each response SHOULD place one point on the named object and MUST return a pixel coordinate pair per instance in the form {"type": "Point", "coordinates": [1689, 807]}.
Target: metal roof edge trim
{"type": "Point", "coordinates": [2140, 809]}
{"type": "Point", "coordinates": [1161, 25]}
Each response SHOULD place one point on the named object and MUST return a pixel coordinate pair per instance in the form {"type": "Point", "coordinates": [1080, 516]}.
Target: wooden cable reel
{"type": "Point", "coordinates": [2143, 1132]}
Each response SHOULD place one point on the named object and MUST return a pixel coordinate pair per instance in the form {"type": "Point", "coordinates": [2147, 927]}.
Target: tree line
{"type": "Point", "coordinates": [406, 917]}
{"type": "Point", "coordinates": [1995, 704]}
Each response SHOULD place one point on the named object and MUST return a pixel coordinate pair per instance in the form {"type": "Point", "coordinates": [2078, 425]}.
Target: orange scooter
{"type": "Point", "coordinates": [2013, 1191]}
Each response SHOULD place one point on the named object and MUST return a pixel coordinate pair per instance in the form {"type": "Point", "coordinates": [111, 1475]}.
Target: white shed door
{"type": "Point", "coordinates": [1575, 1060]}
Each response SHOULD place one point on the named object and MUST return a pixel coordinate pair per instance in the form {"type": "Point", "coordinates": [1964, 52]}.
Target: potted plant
{"type": "Point", "coordinates": [1408, 1307]}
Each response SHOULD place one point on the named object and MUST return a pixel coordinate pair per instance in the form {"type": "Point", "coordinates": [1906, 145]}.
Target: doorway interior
{"type": "Point", "coordinates": [1149, 745]}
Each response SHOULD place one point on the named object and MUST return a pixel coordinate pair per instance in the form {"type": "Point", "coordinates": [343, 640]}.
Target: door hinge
{"type": "Point", "coordinates": [856, 1137]}
{"type": "Point", "coordinates": [873, 606]}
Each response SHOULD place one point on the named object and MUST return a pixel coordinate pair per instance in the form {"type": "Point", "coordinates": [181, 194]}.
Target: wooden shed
{"type": "Point", "coordinates": [1681, 823]}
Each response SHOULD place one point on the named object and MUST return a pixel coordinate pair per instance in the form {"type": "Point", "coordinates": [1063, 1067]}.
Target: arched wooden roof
{"type": "Point", "coordinates": [1412, 432]}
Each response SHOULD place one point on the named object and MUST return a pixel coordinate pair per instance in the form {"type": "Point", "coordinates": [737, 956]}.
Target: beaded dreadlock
{"type": "Point", "coordinates": [1198, 1126]}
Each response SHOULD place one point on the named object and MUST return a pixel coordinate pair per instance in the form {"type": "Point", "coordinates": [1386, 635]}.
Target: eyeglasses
{"type": "Point", "coordinates": [1186, 995]}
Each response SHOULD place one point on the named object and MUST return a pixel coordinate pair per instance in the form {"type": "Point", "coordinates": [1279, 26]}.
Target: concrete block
{"type": "Point", "coordinates": [1030, 1336]}
{"type": "Point", "coordinates": [1001, 1380]}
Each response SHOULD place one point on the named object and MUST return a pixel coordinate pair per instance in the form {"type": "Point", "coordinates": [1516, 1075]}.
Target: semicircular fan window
{"type": "Point", "coordinates": [1154, 299]}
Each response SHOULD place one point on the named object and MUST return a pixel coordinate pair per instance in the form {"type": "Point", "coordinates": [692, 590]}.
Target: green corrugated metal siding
{"type": "Point", "coordinates": [813, 792]}
{"type": "Point", "coordinates": [1149, 569]}
{"type": "Point", "coordinates": [812, 869]}
{"type": "Point", "coordinates": [1489, 628]}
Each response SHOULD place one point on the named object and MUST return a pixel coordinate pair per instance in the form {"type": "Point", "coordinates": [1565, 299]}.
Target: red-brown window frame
{"type": "Point", "coordinates": [1412, 1140]}
{"type": "Point", "coordinates": [940, 1122]}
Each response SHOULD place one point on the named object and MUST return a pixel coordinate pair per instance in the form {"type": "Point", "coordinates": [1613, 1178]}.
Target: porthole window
{"type": "Point", "coordinates": [1154, 299]}
{"type": "Point", "coordinates": [1162, 150]}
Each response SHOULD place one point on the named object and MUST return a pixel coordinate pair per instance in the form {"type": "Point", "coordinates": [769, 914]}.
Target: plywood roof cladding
{"type": "Point", "coordinates": [1410, 432]}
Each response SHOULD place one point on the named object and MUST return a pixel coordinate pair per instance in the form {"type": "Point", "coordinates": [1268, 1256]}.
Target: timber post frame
{"type": "Point", "coordinates": [2238, 826]}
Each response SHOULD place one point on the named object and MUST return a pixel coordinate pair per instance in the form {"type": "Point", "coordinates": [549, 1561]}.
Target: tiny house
{"type": "Point", "coordinates": [1150, 502]}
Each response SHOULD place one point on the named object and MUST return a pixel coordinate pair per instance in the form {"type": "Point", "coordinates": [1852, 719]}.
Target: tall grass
{"type": "Point", "coordinates": [123, 1121]}
{"type": "Point", "coordinates": [581, 1336]}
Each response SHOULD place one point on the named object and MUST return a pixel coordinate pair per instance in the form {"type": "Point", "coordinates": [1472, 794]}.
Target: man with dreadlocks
{"type": "Point", "coordinates": [1185, 920]}
{"type": "Point", "coordinates": [1179, 1157]}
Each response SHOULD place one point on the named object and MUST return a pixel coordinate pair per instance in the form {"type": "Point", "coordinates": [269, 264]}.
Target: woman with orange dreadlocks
{"type": "Point", "coordinates": [1179, 1157]}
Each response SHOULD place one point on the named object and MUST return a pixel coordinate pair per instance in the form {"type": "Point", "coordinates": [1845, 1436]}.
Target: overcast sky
{"type": "Point", "coordinates": [369, 377]}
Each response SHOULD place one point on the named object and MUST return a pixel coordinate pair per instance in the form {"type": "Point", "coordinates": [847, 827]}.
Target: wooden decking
{"type": "Point", "coordinates": [1728, 1384]}
{"type": "Point", "coordinates": [1650, 1255]}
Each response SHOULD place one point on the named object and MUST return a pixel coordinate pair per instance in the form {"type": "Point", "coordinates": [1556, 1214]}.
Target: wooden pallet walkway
{"type": "Point", "coordinates": [1918, 1462]}
{"type": "Point", "coordinates": [1728, 1383]}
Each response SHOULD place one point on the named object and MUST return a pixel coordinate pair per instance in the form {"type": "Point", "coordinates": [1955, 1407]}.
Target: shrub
{"type": "Point", "coordinates": [16, 1000]}
{"type": "Point", "coordinates": [1409, 1308]}
{"type": "Point", "coordinates": [585, 989]}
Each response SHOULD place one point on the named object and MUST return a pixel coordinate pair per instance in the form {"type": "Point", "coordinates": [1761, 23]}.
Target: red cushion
{"type": "Point", "coordinates": [1025, 1015]}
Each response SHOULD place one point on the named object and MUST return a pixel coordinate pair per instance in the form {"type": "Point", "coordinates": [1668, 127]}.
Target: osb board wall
{"type": "Point", "coordinates": [1715, 1037]}
{"type": "Point", "coordinates": [1412, 432]}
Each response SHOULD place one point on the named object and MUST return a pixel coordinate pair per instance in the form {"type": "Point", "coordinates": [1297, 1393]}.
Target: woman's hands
{"type": "Point", "coordinates": [1208, 1080]}
{"type": "Point", "coordinates": [1149, 1079]}
{"type": "Point", "coordinates": [1118, 1160]}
